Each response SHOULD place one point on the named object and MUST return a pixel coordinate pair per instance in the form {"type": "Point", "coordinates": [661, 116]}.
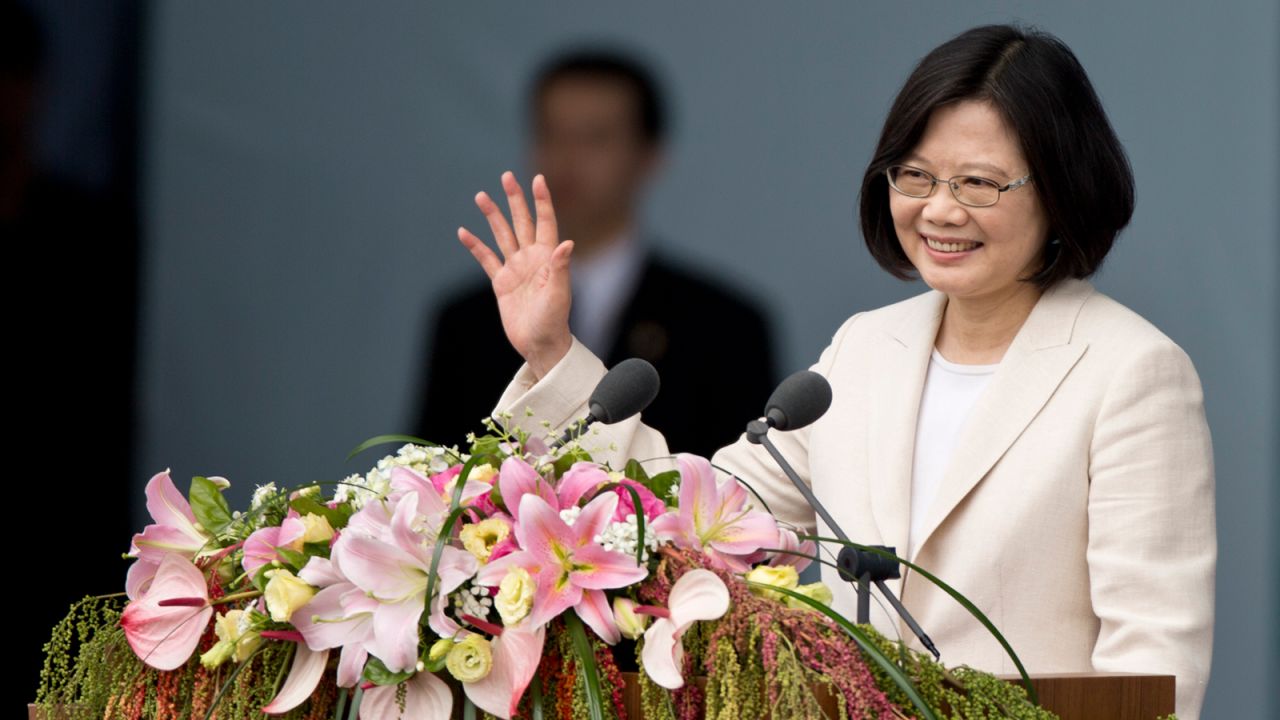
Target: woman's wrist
{"type": "Point", "coordinates": [541, 361]}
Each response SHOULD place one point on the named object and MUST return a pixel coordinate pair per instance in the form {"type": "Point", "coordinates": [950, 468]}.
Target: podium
{"type": "Point", "coordinates": [1070, 696]}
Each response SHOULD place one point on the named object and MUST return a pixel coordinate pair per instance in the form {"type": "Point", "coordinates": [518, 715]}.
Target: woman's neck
{"type": "Point", "coordinates": [978, 331]}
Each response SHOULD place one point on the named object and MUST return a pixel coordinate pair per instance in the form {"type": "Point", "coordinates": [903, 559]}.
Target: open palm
{"type": "Point", "coordinates": [531, 280]}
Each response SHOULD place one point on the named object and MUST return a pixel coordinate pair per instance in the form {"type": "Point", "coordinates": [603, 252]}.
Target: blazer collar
{"type": "Point", "coordinates": [1039, 357]}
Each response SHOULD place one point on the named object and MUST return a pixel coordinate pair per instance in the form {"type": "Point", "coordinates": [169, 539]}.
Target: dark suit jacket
{"type": "Point", "coordinates": [710, 345]}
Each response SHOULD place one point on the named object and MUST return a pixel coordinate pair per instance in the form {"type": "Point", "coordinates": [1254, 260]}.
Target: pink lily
{"type": "Point", "coordinates": [340, 615]}
{"type": "Point", "coordinates": [516, 479]}
{"type": "Point", "coordinates": [713, 518]}
{"type": "Point", "coordinates": [698, 595]}
{"type": "Point", "coordinates": [164, 624]}
{"type": "Point", "coordinates": [516, 654]}
{"type": "Point", "coordinates": [426, 697]}
{"type": "Point", "coordinates": [396, 575]}
{"type": "Point", "coordinates": [571, 569]}
{"type": "Point", "coordinates": [304, 676]}
{"type": "Point", "coordinates": [174, 530]}
{"type": "Point", "coordinates": [789, 541]}
{"type": "Point", "coordinates": [260, 547]}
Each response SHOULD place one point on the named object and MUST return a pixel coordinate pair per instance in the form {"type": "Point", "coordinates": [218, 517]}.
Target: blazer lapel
{"type": "Point", "coordinates": [1037, 360]}
{"type": "Point", "coordinates": [896, 386]}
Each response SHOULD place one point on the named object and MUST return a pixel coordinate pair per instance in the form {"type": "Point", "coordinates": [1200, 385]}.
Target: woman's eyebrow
{"type": "Point", "coordinates": [975, 164]}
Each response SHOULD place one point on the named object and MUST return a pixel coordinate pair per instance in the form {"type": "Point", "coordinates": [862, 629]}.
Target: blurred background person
{"type": "Point", "coordinates": [598, 125]}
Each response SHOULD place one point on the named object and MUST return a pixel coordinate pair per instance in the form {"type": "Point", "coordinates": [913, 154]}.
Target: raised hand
{"type": "Point", "coordinates": [531, 281]}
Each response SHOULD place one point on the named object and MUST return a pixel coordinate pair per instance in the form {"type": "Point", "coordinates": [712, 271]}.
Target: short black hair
{"type": "Point", "coordinates": [608, 63]}
{"type": "Point", "coordinates": [1078, 166]}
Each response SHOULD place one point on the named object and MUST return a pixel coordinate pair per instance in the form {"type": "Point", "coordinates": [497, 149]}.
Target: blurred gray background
{"type": "Point", "coordinates": [306, 165]}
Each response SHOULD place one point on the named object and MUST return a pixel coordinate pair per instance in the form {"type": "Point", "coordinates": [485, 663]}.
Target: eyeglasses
{"type": "Point", "coordinates": [969, 190]}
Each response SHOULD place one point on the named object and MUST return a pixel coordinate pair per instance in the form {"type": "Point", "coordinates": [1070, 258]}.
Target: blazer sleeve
{"type": "Point", "coordinates": [1152, 547]}
{"type": "Point", "coordinates": [545, 407]}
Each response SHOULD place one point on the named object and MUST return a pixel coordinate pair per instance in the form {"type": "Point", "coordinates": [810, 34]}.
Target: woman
{"type": "Point", "coordinates": [1027, 438]}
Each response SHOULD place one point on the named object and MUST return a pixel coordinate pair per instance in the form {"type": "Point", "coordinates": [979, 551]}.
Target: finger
{"type": "Point", "coordinates": [481, 252]}
{"type": "Point", "coordinates": [498, 224]}
{"type": "Point", "coordinates": [559, 263]}
{"type": "Point", "coordinates": [519, 209]}
{"type": "Point", "coordinates": [547, 230]}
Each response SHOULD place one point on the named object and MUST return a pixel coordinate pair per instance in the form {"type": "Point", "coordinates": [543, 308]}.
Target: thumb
{"type": "Point", "coordinates": [560, 260]}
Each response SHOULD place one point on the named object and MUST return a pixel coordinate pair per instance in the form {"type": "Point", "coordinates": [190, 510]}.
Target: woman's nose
{"type": "Point", "coordinates": [942, 208]}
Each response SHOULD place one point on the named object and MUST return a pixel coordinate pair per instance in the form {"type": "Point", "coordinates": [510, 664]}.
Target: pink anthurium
{"type": "Point", "coordinates": [713, 518]}
{"type": "Point", "coordinates": [698, 595]}
{"type": "Point", "coordinates": [571, 570]}
{"type": "Point", "coordinates": [164, 624]}
{"type": "Point", "coordinates": [426, 697]}
{"type": "Point", "coordinates": [516, 654]}
{"type": "Point", "coordinates": [304, 676]}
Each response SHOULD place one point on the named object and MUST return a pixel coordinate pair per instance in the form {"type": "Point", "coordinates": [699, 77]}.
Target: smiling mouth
{"type": "Point", "coordinates": [950, 246]}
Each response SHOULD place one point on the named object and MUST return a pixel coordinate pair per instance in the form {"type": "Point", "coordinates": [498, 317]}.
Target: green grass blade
{"type": "Point", "coordinates": [587, 661]}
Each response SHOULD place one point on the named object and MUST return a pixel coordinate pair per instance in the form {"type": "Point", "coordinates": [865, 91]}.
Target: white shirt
{"type": "Point", "coordinates": [950, 390]}
{"type": "Point", "coordinates": [602, 284]}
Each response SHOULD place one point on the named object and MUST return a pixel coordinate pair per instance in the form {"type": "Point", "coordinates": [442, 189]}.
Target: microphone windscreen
{"type": "Point", "coordinates": [624, 391]}
{"type": "Point", "coordinates": [802, 398]}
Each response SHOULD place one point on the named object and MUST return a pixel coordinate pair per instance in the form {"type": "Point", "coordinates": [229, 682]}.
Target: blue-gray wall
{"type": "Point", "coordinates": [308, 164]}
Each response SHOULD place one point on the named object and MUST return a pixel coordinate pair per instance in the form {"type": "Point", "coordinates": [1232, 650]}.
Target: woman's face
{"type": "Point", "coordinates": [999, 243]}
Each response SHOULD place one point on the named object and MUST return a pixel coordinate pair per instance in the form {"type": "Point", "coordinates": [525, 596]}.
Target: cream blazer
{"type": "Point", "coordinates": [1077, 511]}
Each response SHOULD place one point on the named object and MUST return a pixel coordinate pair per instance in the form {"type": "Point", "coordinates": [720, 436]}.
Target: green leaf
{"type": "Point", "coordinates": [955, 594]}
{"type": "Point", "coordinates": [662, 483]}
{"type": "Point", "coordinates": [868, 647]}
{"type": "Point", "coordinates": [535, 701]}
{"type": "Point", "coordinates": [587, 662]}
{"type": "Point", "coordinates": [635, 471]}
{"type": "Point", "coordinates": [376, 672]}
{"type": "Point", "coordinates": [566, 461]}
{"type": "Point", "coordinates": [307, 505]}
{"type": "Point", "coordinates": [208, 505]}
{"type": "Point", "coordinates": [259, 579]}
{"type": "Point", "coordinates": [456, 511]}
{"type": "Point", "coordinates": [292, 557]}
{"type": "Point", "coordinates": [384, 439]}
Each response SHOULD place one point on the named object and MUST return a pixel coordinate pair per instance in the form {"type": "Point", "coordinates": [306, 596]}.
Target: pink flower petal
{"type": "Point", "coordinates": [594, 518]}
{"type": "Point", "coordinates": [351, 664]}
{"type": "Point", "coordinates": [698, 595]}
{"type": "Point", "coordinates": [139, 577]}
{"type": "Point", "coordinates": [516, 654]}
{"type": "Point", "coordinates": [746, 534]}
{"type": "Point", "coordinates": [325, 622]}
{"type": "Point", "coordinates": [582, 478]}
{"type": "Point", "coordinates": [427, 698]}
{"type": "Point", "coordinates": [170, 507]}
{"type": "Point", "coordinates": [662, 655]}
{"type": "Point", "coordinates": [388, 572]}
{"type": "Point", "coordinates": [608, 569]}
{"type": "Point", "coordinates": [517, 479]}
{"type": "Point", "coordinates": [165, 637]}
{"type": "Point", "coordinates": [395, 633]}
{"type": "Point", "coordinates": [596, 613]}
{"type": "Point", "coordinates": [540, 530]}
{"type": "Point", "coordinates": [304, 676]}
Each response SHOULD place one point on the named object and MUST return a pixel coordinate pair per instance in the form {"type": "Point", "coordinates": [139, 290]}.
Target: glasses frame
{"type": "Point", "coordinates": [934, 180]}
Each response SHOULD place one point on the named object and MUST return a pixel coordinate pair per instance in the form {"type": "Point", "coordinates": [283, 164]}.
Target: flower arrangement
{"type": "Point", "coordinates": [509, 573]}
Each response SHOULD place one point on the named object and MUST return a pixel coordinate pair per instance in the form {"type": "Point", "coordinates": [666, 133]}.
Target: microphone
{"type": "Point", "coordinates": [798, 402]}
{"type": "Point", "coordinates": [625, 390]}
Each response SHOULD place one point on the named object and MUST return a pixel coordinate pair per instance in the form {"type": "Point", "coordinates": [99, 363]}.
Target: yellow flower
{"type": "Point", "coordinates": [286, 593]}
{"type": "Point", "coordinates": [483, 473]}
{"type": "Point", "coordinates": [471, 659]}
{"type": "Point", "coordinates": [479, 538]}
{"type": "Point", "coordinates": [783, 576]}
{"type": "Point", "coordinates": [515, 596]}
{"type": "Point", "coordinates": [317, 529]}
{"type": "Point", "coordinates": [439, 649]}
{"type": "Point", "coordinates": [232, 643]}
{"type": "Point", "coordinates": [630, 623]}
{"type": "Point", "coordinates": [817, 591]}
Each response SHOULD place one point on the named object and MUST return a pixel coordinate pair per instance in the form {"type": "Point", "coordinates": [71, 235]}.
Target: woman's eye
{"type": "Point", "coordinates": [977, 182]}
